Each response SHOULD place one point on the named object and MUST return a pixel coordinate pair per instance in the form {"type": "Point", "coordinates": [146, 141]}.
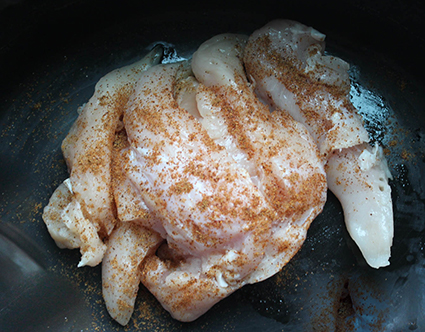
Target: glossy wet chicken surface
{"type": "Point", "coordinates": [192, 184]}
{"type": "Point", "coordinates": [286, 61]}
{"type": "Point", "coordinates": [307, 292]}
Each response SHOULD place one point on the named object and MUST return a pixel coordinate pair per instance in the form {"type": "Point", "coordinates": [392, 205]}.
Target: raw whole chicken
{"type": "Point", "coordinates": [183, 178]}
{"type": "Point", "coordinates": [285, 61]}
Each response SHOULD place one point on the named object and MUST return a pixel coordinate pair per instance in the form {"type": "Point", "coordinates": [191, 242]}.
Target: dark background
{"type": "Point", "coordinates": [51, 55]}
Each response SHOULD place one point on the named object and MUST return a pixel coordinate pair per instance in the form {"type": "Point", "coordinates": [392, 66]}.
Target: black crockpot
{"type": "Point", "coordinates": [51, 55]}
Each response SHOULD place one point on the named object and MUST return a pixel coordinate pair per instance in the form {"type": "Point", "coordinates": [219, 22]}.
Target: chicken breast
{"type": "Point", "coordinates": [358, 177]}
{"type": "Point", "coordinates": [69, 228]}
{"type": "Point", "coordinates": [215, 221]}
{"type": "Point", "coordinates": [196, 179]}
{"type": "Point", "coordinates": [88, 146]}
{"type": "Point", "coordinates": [128, 246]}
{"type": "Point", "coordinates": [224, 225]}
{"type": "Point", "coordinates": [129, 204]}
{"type": "Point", "coordinates": [278, 152]}
{"type": "Point", "coordinates": [81, 211]}
{"type": "Point", "coordinates": [285, 61]}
